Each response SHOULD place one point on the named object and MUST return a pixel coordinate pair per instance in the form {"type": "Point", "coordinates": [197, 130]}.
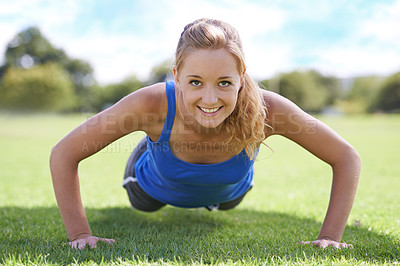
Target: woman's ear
{"type": "Point", "coordinates": [242, 79]}
{"type": "Point", "coordinates": [176, 79]}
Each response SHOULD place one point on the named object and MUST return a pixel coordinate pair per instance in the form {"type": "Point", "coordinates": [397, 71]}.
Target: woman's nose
{"type": "Point", "coordinates": [209, 96]}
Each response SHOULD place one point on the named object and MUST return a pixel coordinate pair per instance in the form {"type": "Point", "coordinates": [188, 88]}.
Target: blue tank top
{"type": "Point", "coordinates": [172, 181]}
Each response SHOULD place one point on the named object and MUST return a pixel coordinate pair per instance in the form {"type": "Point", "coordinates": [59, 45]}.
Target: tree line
{"type": "Point", "coordinates": [36, 76]}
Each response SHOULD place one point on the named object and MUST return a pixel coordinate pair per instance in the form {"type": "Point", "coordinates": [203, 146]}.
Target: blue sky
{"type": "Point", "coordinates": [124, 37]}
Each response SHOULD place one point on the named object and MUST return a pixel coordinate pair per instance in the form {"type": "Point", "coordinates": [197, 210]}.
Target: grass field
{"type": "Point", "coordinates": [286, 206]}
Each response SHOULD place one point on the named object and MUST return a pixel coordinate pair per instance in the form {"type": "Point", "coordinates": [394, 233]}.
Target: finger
{"type": "Point", "coordinates": [93, 244]}
{"type": "Point", "coordinates": [74, 244]}
{"type": "Point", "coordinates": [344, 245]}
{"type": "Point", "coordinates": [335, 244]}
{"type": "Point", "coordinates": [332, 244]}
{"type": "Point", "coordinates": [305, 242]}
{"type": "Point", "coordinates": [81, 245]}
{"type": "Point", "coordinates": [321, 244]}
{"type": "Point", "coordinates": [108, 241]}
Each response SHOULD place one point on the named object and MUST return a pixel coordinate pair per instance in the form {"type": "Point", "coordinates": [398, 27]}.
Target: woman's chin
{"type": "Point", "coordinates": [210, 124]}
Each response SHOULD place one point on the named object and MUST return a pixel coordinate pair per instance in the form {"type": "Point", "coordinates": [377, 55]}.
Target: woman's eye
{"type": "Point", "coordinates": [195, 83]}
{"type": "Point", "coordinates": [224, 83]}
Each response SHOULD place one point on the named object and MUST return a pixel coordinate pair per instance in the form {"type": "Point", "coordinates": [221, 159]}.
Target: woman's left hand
{"type": "Point", "coordinates": [323, 243]}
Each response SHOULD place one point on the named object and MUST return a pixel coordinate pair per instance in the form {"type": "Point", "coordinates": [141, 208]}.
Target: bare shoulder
{"type": "Point", "coordinates": [144, 109]}
{"type": "Point", "coordinates": [276, 103]}
{"type": "Point", "coordinates": [283, 115]}
{"type": "Point", "coordinates": [149, 100]}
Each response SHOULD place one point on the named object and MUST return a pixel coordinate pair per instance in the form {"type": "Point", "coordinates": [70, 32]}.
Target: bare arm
{"type": "Point", "coordinates": [132, 113]}
{"type": "Point", "coordinates": [291, 122]}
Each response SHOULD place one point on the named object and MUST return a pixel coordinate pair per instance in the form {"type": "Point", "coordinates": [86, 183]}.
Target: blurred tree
{"type": "Point", "coordinates": [102, 97]}
{"type": "Point", "coordinates": [45, 87]}
{"type": "Point", "coordinates": [363, 94]}
{"type": "Point", "coordinates": [161, 72]}
{"type": "Point", "coordinates": [81, 74]}
{"type": "Point", "coordinates": [329, 84]}
{"type": "Point", "coordinates": [270, 84]}
{"type": "Point", "coordinates": [310, 90]}
{"type": "Point", "coordinates": [388, 99]}
{"type": "Point", "coordinates": [3, 70]}
{"type": "Point", "coordinates": [30, 48]}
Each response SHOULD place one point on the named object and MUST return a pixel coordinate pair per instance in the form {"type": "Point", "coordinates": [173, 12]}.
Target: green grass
{"type": "Point", "coordinates": [286, 206]}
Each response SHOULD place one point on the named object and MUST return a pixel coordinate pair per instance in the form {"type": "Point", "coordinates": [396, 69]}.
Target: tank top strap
{"type": "Point", "coordinates": [169, 120]}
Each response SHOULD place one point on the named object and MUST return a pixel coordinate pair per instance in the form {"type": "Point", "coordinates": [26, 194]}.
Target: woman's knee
{"type": "Point", "coordinates": [147, 208]}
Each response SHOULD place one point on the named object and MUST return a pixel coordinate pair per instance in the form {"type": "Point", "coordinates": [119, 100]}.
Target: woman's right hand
{"type": "Point", "coordinates": [90, 241]}
{"type": "Point", "coordinates": [126, 116]}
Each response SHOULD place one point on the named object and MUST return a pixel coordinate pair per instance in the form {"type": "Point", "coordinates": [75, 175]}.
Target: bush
{"type": "Point", "coordinates": [362, 95]}
{"type": "Point", "coordinates": [44, 88]}
{"type": "Point", "coordinates": [102, 97]}
{"type": "Point", "coordinates": [308, 89]}
{"type": "Point", "coordinates": [388, 99]}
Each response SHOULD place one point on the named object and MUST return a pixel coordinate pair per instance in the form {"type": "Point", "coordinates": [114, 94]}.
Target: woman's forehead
{"type": "Point", "coordinates": [210, 61]}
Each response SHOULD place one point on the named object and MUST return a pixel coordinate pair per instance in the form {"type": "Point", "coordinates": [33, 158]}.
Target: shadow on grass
{"type": "Point", "coordinates": [182, 236]}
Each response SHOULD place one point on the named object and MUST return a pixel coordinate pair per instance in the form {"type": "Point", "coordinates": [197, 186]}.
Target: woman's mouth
{"type": "Point", "coordinates": [210, 111]}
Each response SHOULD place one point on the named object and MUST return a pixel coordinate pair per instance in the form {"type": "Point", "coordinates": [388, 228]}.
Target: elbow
{"type": "Point", "coordinates": [62, 157]}
{"type": "Point", "coordinates": [52, 161]}
{"type": "Point", "coordinates": [55, 151]}
{"type": "Point", "coordinates": [54, 155]}
{"type": "Point", "coordinates": [350, 155]}
{"type": "Point", "coordinates": [357, 164]}
{"type": "Point", "coordinates": [354, 167]}
{"type": "Point", "coordinates": [57, 156]}
{"type": "Point", "coordinates": [350, 162]}
{"type": "Point", "coordinates": [60, 163]}
{"type": "Point", "coordinates": [355, 158]}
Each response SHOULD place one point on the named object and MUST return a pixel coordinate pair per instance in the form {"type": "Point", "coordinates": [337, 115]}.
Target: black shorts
{"type": "Point", "coordinates": [140, 200]}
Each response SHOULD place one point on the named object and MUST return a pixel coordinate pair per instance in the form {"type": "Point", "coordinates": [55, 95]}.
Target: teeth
{"type": "Point", "coordinates": [212, 110]}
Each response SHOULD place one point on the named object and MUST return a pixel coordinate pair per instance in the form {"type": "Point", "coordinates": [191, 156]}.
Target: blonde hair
{"type": "Point", "coordinates": [247, 121]}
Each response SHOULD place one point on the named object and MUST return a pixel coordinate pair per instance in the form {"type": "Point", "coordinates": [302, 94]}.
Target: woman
{"type": "Point", "coordinates": [203, 134]}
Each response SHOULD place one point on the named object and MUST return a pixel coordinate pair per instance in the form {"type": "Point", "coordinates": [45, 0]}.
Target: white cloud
{"type": "Point", "coordinates": [47, 15]}
{"type": "Point", "coordinates": [373, 49]}
{"type": "Point", "coordinates": [7, 33]}
{"type": "Point", "coordinates": [115, 55]}
{"type": "Point", "coordinates": [383, 25]}
{"type": "Point", "coordinates": [250, 19]}
{"type": "Point", "coordinates": [14, 7]}
{"type": "Point", "coordinates": [353, 61]}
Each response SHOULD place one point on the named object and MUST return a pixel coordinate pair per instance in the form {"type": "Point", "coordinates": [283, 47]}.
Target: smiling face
{"type": "Point", "coordinates": [208, 84]}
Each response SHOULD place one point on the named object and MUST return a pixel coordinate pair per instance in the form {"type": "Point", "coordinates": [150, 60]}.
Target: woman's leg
{"type": "Point", "coordinates": [139, 199]}
{"type": "Point", "coordinates": [229, 204]}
